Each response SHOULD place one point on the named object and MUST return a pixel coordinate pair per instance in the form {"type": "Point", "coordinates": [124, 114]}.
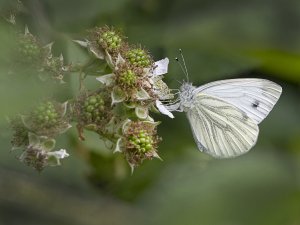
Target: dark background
{"type": "Point", "coordinates": [220, 39]}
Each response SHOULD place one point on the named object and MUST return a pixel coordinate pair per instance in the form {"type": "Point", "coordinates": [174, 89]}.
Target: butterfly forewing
{"type": "Point", "coordinates": [256, 97]}
{"type": "Point", "coordinates": [220, 128]}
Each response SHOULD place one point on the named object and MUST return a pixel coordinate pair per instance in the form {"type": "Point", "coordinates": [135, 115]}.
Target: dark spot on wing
{"type": "Point", "coordinates": [255, 104]}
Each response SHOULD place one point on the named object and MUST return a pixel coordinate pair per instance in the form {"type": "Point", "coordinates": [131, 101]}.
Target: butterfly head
{"type": "Point", "coordinates": [186, 87]}
{"type": "Point", "coordinates": [186, 95]}
{"type": "Point", "coordinates": [186, 91]}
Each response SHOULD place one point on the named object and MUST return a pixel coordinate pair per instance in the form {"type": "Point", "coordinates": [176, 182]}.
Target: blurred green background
{"type": "Point", "coordinates": [220, 39]}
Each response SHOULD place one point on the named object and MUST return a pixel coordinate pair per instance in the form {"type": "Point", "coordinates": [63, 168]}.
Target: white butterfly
{"type": "Point", "coordinates": [224, 115]}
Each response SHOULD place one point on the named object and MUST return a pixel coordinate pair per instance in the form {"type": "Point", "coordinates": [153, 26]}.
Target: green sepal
{"type": "Point", "coordinates": [48, 144]}
{"type": "Point", "coordinates": [125, 126]}
{"type": "Point", "coordinates": [107, 79]}
{"type": "Point", "coordinates": [118, 147]}
{"type": "Point", "coordinates": [117, 95]}
{"type": "Point", "coordinates": [141, 112]}
{"type": "Point", "coordinates": [34, 140]}
{"type": "Point", "coordinates": [129, 105]}
{"type": "Point", "coordinates": [142, 95]}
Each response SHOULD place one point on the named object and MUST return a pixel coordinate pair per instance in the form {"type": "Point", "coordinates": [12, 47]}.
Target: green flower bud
{"type": "Point", "coordinates": [140, 142]}
{"type": "Point", "coordinates": [29, 49]}
{"type": "Point", "coordinates": [138, 57]}
{"type": "Point", "coordinates": [109, 39]}
{"type": "Point", "coordinates": [46, 115]}
{"type": "Point", "coordinates": [127, 78]}
{"type": "Point", "coordinates": [94, 108]}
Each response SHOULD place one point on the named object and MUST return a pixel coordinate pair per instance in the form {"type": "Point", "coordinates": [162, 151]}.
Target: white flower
{"type": "Point", "coordinates": [155, 76]}
{"type": "Point", "coordinates": [160, 87]}
{"type": "Point", "coordinates": [60, 154]}
{"type": "Point", "coordinates": [56, 156]}
{"type": "Point", "coordinates": [161, 67]}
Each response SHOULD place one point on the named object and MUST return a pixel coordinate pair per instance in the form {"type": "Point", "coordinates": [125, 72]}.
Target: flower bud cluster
{"type": "Point", "coordinates": [38, 59]}
{"type": "Point", "coordinates": [29, 50]}
{"type": "Point", "coordinates": [109, 39]}
{"type": "Point", "coordinates": [93, 111]}
{"type": "Point", "coordinates": [140, 141]}
{"type": "Point", "coordinates": [35, 131]}
{"type": "Point", "coordinates": [138, 57]}
{"type": "Point", "coordinates": [134, 87]}
{"type": "Point", "coordinates": [46, 115]}
{"type": "Point", "coordinates": [130, 88]}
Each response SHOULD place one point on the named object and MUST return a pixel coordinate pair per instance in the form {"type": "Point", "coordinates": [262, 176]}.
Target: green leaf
{"type": "Point", "coordinates": [283, 64]}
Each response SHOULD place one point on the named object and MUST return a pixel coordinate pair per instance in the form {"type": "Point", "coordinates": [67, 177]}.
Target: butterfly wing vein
{"type": "Point", "coordinates": [256, 97]}
{"type": "Point", "coordinates": [221, 129]}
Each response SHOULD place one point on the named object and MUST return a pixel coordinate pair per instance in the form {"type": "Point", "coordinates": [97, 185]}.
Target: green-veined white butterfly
{"type": "Point", "coordinates": [224, 115]}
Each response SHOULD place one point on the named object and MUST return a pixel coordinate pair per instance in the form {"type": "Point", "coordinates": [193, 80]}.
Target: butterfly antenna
{"type": "Point", "coordinates": [184, 64]}
{"type": "Point", "coordinates": [181, 67]}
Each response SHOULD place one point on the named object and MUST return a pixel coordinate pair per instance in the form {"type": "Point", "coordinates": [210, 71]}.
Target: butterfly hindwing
{"type": "Point", "coordinates": [256, 97]}
{"type": "Point", "coordinates": [221, 129]}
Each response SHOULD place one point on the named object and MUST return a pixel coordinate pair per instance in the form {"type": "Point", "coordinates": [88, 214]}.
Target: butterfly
{"type": "Point", "coordinates": [224, 115]}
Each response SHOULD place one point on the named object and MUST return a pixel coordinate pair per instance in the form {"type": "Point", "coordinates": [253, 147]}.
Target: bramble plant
{"type": "Point", "coordinates": [130, 88]}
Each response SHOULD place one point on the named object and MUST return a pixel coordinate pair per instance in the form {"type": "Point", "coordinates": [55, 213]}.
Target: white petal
{"type": "Point", "coordinates": [163, 109]}
{"type": "Point", "coordinates": [107, 79]}
{"type": "Point", "coordinates": [62, 153]}
{"type": "Point", "coordinates": [161, 67]}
